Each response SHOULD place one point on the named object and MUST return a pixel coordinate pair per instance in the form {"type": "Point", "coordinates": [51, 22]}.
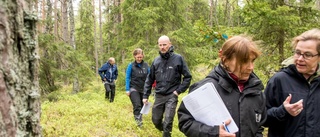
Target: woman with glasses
{"type": "Point", "coordinates": [293, 94]}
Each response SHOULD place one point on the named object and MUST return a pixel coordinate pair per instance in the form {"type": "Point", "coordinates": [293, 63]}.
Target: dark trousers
{"type": "Point", "coordinates": [110, 91]}
{"type": "Point", "coordinates": [136, 100]}
{"type": "Point", "coordinates": [164, 106]}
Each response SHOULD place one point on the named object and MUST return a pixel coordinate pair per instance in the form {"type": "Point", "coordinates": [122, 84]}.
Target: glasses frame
{"type": "Point", "coordinates": [297, 54]}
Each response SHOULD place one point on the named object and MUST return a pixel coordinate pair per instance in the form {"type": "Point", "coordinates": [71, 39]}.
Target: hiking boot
{"type": "Point", "coordinates": [138, 119]}
{"type": "Point", "coordinates": [166, 134]}
{"type": "Point", "coordinates": [139, 123]}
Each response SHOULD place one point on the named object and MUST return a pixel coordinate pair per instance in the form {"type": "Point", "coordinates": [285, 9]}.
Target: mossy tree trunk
{"type": "Point", "coordinates": [19, 92]}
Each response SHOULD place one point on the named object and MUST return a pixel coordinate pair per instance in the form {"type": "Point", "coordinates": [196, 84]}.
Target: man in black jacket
{"type": "Point", "coordinates": [167, 69]}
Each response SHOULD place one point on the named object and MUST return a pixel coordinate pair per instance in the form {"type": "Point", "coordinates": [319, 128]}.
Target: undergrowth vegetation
{"type": "Point", "coordinates": [88, 114]}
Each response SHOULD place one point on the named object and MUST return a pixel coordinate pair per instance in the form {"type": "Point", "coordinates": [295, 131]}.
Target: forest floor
{"type": "Point", "coordinates": [88, 114]}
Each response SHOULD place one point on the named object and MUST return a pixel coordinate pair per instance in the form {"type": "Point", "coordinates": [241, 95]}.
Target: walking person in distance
{"type": "Point", "coordinates": [109, 73]}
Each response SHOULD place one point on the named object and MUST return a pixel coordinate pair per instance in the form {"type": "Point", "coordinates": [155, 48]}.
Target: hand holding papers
{"type": "Point", "coordinates": [206, 106]}
{"type": "Point", "coordinates": [146, 107]}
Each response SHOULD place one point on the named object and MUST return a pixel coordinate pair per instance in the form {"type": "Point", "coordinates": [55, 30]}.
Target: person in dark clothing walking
{"type": "Point", "coordinates": [167, 69]}
{"type": "Point", "coordinates": [136, 75]}
{"type": "Point", "coordinates": [239, 88]}
{"type": "Point", "coordinates": [109, 73]}
{"type": "Point", "coordinates": [292, 94]}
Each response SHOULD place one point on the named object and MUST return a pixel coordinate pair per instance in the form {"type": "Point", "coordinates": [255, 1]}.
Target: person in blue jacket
{"type": "Point", "coordinates": [293, 94]}
{"type": "Point", "coordinates": [136, 75]}
{"type": "Point", "coordinates": [109, 73]}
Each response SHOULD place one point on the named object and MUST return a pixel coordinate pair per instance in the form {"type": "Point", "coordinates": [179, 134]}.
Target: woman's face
{"type": "Point", "coordinates": [246, 69]}
{"type": "Point", "coordinates": [138, 58]}
{"type": "Point", "coordinates": [306, 57]}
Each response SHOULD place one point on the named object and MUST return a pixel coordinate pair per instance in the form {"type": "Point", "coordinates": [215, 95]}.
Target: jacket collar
{"type": "Point", "coordinates": [227, 82]}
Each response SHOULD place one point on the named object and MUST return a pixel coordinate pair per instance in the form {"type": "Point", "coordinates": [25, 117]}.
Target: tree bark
{"type": "Point", "coordinates": [64, 24]}
{"type": "Point", "coordinates": [72, 25]}
{"type": "Point", "coordinates": [56, 22]}
{"type": "Point", "coordinates": [19, 92]}
{"type": "Point", "coordinates": [49, 24]}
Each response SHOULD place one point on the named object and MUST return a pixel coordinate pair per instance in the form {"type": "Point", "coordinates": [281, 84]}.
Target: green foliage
{"type": "Point", "coordinates": [85, 32]}
{"type": "Point", "coordinates": [60, 63]}
{"type": "Point", "coordinates": [88, 114]}
{"type": "Point", "coordinates": [275, 24]}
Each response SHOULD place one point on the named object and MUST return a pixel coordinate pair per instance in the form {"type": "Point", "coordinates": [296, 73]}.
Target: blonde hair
{"type": "Point", "coordinates": [240, 47]}
{"type": "Point", "coordinates": [112, 59]}
{"type": "Point", "coordinates": [313, 34]}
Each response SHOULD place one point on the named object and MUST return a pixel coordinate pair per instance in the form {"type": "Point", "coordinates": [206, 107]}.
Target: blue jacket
{"type": "Point", "coordinates": [109, 72]}
{"type": "Point", "coordinates": [136, 75]}
{"type": "Point", "coordinates": [280, 122]}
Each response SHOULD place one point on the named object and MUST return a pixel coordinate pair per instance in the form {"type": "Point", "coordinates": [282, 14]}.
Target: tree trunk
{"type": "Point", "coordinates": [318, 4]}
{"type": "Point", "coordinates": [100, 35]}
{"type": "Point", "coordinates": [95, 38]}
{"type": "Point", "coordinates": [72, 26]}
{"type": "Point", "coordinates": [43, 17]}
{"type": "Point", "coordinates": [64, 24]}
{"type": "Point", "coordinates": [19, 92]}
{"type": "Point", "coordinates": [211, 13]}
{"type": "Point", "coordinates": [48, 23]}
{"type": "Point", "coordinates": [56, 22]}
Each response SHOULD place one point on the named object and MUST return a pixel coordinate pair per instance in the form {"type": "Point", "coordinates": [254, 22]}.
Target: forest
{"type": "Point", "coordinates": [72, 39]}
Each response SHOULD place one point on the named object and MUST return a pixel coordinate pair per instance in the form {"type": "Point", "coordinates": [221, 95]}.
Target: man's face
{"type": "Point", "coordinates": [164, 45]}
{"type": "Point", "coordinates": [112, 62]}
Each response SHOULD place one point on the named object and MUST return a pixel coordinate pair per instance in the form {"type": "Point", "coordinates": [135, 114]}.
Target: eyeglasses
{"type": "Point", "coordinates": [307, 55]}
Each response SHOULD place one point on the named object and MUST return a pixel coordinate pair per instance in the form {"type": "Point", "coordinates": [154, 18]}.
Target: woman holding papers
{"type": "Point", "coordinates": [240, 90]}
{"type": "Point", "coordinates": [136, 74]}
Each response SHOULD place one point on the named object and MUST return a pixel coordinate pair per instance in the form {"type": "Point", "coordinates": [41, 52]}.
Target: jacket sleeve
{"type": "Point", "coordinates": [128, 77]}
{"type": "Point", "coordinates": [116, 73]}
{"type": "Point", "coordinates": [192, 128]}
{"type": "Point", "coordinates": [274, 103]}
{"type": "Point", "coordinates": [186, 77]}
{"type": "Point", "coordinates": [102, 70]}
{"type": "Point", "coordinates": [148, 83]}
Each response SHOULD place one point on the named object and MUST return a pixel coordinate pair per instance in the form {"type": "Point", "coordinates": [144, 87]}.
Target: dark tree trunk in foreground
{"type": "Point", "coordinates": [19, 93]}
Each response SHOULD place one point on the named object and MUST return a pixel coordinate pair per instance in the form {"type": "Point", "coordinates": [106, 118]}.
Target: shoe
{"type": "Point", "coordinates": [166, 134]}
{"type": "Point", "coordinates": [139, 122]}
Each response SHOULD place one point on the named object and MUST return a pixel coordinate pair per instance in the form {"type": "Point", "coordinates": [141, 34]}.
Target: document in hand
{"type": "Point", "coordinates": [145, 109]}
{"type": "Point", "coordinates": [206, 106]}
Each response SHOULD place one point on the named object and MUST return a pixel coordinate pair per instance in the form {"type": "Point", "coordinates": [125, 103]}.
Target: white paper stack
{"type": "Point", "coordinates": [206, 106]}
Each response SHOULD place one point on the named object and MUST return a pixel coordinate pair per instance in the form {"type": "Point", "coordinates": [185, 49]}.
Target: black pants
{"type": "Point", "coordinates": [164, 105]}
{"type": "Point", "coordinates": [136, 100]}
{"type": "Point", "coordinates": [110, 91]}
